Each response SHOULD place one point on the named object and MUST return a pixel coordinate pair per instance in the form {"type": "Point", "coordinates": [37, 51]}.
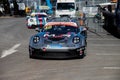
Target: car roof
{"type": "Point", "coordinates": [38, 13]}
{"type": "Point", "coordinates": [62, 19]}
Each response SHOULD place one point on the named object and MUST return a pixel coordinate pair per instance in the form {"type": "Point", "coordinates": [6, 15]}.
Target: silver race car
{"type": "Point", "coordinates": [59, 38]}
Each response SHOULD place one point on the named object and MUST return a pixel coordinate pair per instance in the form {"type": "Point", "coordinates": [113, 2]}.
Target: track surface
{"type": "Point", "coordinates": [101, 63]}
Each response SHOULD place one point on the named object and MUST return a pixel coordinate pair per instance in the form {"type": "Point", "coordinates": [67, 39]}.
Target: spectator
{"type": "Point", "coordinates": [16, 7]}
{"type": "Point", "coordinates": [2, 10]}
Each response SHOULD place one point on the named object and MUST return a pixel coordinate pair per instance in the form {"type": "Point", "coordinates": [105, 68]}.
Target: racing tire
{"type": "Point", "coordinates": [85, 43]}
{"type": "Point", "coordinates": [118, 32]}
{"type": "Point", "coordinates": [31, 56]}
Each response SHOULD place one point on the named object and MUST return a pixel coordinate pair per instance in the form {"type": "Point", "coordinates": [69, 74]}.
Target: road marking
{"type": "Point", "coordinates": [106, 39]}
{"type": "Point", "coordinates": [105, 45]}
{"type": "Point", "coordinates": [112, 68]}
{"type": "Point", "coordinates": [9, 51]}
{"type": "Point", "coordinates": [114, 54]}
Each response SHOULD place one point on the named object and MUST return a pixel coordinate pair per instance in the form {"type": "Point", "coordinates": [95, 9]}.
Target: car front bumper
{"type": "Point", "coordinates": [55, 53]}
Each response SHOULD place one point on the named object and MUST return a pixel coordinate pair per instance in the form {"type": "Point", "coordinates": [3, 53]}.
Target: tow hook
{"type": "Point", "coordinates": [81, 51]}
{"type": "Point", "coordinates": [44, 49]}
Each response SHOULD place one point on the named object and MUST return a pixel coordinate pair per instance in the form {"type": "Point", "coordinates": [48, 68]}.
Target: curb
{"type": "Point", "coordinates": [16, 16]}
{"type": "Point", "coordinates": [6, 17]}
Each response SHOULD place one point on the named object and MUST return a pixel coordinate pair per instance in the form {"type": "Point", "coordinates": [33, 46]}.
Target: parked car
{"type": "Point", "coordinates": [59, 38]}
{"type": "Point", "coordinates": [36, 20]}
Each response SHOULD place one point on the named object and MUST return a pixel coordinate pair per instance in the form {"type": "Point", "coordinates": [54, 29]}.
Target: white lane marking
{"type": "Point", "coordinates": [112, 68]}
{"type": "Point", "coordinates": [105, 45]}
{"type": "Point", "coordinates": [114, 54]}
{"type": "Point", "coordinates": [9, 51]}
{"type": "Point", "coordinates": [106, 39]}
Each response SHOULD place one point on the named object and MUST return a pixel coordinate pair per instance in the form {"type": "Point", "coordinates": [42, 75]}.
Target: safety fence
{"type": "Point", "coordinates": [83, 3]}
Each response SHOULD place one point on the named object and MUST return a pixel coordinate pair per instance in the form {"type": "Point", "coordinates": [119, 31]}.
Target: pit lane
{"type": "Point", "coordinates": [101, 63]}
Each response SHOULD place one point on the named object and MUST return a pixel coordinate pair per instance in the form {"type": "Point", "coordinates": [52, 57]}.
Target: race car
{"type": "Point", "coordinates": [59, 38]}
{"type": "Point", "coordinates": [36, 19]}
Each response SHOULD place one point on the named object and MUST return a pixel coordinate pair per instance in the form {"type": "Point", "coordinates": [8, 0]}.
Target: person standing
{"type": "Point", "coordinates": [16, 8]}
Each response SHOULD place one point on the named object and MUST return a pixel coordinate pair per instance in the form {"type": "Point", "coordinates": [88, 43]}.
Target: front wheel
{"type": "Point", "coordinates": [118, 31]}
{"type": "Point", "coordinates": [31, 53]}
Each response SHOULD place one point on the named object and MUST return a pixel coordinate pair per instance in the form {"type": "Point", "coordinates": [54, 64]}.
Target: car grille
{"type": "Point", "coordinates": [55, 39]}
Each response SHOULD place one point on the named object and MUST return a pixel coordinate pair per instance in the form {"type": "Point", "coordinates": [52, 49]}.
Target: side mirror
{"type": "Point", "coordinates": [49, 16]}
{"type": "Point", "coordinates": [27, 17]}
{"type": "Point", "coordinates": [83, 31]}
{"type": "Point", "coordinates": [37, 29]}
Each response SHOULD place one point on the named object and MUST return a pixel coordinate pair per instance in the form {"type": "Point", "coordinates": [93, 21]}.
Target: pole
{"type": "Point", "coordinates": [106, 1]}
{"type": "Point", "coordinates": [93, 2]}
{"type": "Point", "coordinates": [27, 3]}
{"type": "Point", "coordinates": [38, 5]}
{"type": "Point", "coordinates": [40, 2]}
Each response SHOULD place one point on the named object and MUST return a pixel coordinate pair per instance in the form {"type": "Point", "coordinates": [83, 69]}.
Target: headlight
{"type": "Point", "coordinates": [31, 20]}
{"type": "Point", "coordinates": [36, 39]}
{"type": "Point", "coordinates": [76, 40]}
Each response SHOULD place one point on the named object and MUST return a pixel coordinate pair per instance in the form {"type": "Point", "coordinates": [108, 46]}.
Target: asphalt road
{"type": "Point", "coordinates": [101, 63]}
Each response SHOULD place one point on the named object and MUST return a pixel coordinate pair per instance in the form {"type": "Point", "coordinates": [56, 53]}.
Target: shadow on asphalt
{"type": "Point", "coordinates": [76, 58]}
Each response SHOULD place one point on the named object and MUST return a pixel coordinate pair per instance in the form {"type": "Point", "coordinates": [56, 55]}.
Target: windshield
{"type": "Point", "coordinates": [44, 11]}
{"type": "Point", "coordinates": [64, 6]}
{"type": "Point", "coordinates": [60, 29]}
{"type": "Point", "coordinates": [40, 15]}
